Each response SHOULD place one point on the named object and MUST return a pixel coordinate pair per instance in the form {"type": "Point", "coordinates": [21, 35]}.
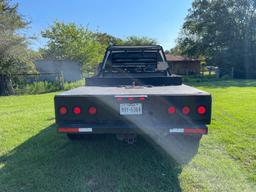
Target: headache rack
{"type": "Point", "coordinates": [132, 59]}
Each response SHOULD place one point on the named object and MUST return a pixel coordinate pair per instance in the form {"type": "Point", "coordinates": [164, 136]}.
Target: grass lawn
{"type": "Point", "coordinates": [33, 157]}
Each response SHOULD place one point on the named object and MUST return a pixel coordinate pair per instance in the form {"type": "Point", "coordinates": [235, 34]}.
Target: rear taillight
{"type": "Point", "coordinates": [185, 110]}
{"type": "Point", "coordinates": [77, 110]}
{"type": "Point", "coordinates": [122, 98]}
{"type": "Point", "coordinates": [92, 110]}
{"type": "Point", "coordinates": [63, 110]}
{"type": "Point", "coordinates": [119, 98]}
{"type": "Point", "coordinates": [201, 110]}
{"type": "Point", "coordinates": [171, 110]}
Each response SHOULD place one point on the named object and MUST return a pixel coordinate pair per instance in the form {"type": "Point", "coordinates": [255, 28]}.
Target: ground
{"type": "Point", "coordinates": [33, 157]}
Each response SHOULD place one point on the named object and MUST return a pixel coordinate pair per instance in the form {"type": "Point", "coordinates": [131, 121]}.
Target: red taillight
{"type": "Point", "coordinates": [92, 110]}
{"type": "Point", "coordinates": [63, 110]}
{"type": "Point", "coordinates": [77, 110]}
{"type": "Point", "coordinates": [142, 98]}
{"type": "Point", "coordinates": [130, 98]}
{"type": "Point", "coordinates": [171, 110]}
{"type": "Point", "coordinates": [201, 110]}
{"type": "Point", "coordinates": [119, 98]}
{"type": "Point", "coordinates": [186, 110]}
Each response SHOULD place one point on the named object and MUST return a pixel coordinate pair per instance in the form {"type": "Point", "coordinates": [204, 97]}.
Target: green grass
{"type": "Point", "coordinates": [33, 157]}
{"type": "Point", "coordinates": [46, 87]}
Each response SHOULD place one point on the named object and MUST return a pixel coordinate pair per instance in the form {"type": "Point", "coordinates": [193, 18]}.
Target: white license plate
{"type": "Point", "coordinates": [130, 109]}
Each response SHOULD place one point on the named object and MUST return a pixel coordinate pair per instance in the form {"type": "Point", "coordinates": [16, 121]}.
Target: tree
{"type": "Point", "coordinates": [15, 57]}
{"type": "Point", "coordinates": [105, 39]}
{"type": "Point", "coordinates": [69, 41]}
{"type": "Point", "coordinates": [136, 40]}
{"type": "Point", "coordinates": [222, 31]}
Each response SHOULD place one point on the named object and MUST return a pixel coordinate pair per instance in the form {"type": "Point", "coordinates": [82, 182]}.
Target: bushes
{"type": "Point", "coordinates": [38, 87]}
{"type": "Point", "coordinates": [46, 87]}
{"type": "Point", "coordinates": [71, 85]}
{"type": "Point", "coordinates": [198, 79]}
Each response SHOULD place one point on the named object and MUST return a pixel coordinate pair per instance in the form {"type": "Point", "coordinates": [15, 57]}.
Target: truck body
{"type": "Point", "coordinates": [132, 92]}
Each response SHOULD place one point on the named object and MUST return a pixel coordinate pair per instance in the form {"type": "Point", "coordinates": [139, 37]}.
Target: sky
{"type": "Point", "coordinates": [157, 19]}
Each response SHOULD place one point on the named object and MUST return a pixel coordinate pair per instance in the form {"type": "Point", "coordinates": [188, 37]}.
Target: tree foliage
{"type": "Point", "coordinates": [14, 53]}
{"type": "Point", "coordinates": [105, 39]}
{"type": "Point", "coordinates": [69, 41]}
{"type": "Point", "coordinates": [136, 40]}
{"type": "Point", "coordinates": [77, 43]}
{"type": "Point", "coordinates": [222, 31]}
{"type": "Point", "coordinates": [15, 57]}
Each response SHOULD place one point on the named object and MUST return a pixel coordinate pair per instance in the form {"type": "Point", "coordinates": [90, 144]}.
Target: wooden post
{"type": "Point", "coordinates": [217, 72]}
{"type": "Point", "coordinates": [61, 80]}
{"type": "Point", "coordinates": [202, 69]}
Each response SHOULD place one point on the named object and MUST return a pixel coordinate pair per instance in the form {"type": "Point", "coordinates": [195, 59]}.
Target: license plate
{"type": "Point", "coordinates": [130, 109]}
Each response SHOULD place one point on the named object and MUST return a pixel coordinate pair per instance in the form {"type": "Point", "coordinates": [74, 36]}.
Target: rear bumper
{"type": "Point", "coordinates": [130, 128]}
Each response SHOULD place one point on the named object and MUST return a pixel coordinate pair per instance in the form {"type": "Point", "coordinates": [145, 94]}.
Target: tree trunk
{"type": "Point", "coordinates": [6, 85]}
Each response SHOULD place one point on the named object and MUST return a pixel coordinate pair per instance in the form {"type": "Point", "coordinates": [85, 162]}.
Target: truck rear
{"type": "Point", "coordinates": [133, 92]}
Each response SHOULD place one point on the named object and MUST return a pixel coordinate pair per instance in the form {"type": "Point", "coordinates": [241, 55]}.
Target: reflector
{"type": "Point", "coordinates": [68, 130]}
{"type": "Point", "coordinates": [77, 110]}
{"type": "Point", "coordinates": [171, 110]}
{"type": "Point", "coordinates": [186, 110]}
{"type": "Point", "coordinates": [195, 131]}
{"type": "Point", "coordinates": [63, 110]}
{"type": "Point", "coordinates": [92, 110]}
{"type": "Point", "coordinates": [201, 110]}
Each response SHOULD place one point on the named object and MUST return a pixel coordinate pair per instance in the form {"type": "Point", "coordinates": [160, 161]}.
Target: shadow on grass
{"type": "Point", "coordinates": [225, 83]}
{"type": "Point", "coordinates": [50, 162]}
